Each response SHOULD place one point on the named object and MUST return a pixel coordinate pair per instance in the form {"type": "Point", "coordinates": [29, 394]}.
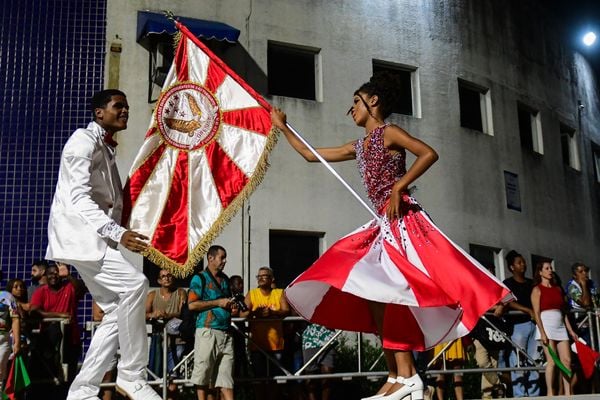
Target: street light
{"type": "Point", "coordinates": [589, 38]}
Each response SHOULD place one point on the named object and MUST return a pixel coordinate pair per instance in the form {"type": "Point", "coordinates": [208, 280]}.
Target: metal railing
{"type": "Point", "coordinates": [181, 372]}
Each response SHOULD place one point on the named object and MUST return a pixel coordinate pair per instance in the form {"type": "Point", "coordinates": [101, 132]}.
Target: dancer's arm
{"type": "Point", "coordinates": [396, 138]}
{"type": "Point", "coordinates": [332, 154]}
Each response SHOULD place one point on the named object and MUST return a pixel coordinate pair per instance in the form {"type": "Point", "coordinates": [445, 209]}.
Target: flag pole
{"type": "Point", "coordinates": [333, 171]}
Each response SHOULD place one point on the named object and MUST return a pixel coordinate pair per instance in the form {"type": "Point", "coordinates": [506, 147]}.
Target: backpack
{"type": "Point", "coordinates": [187, 328]}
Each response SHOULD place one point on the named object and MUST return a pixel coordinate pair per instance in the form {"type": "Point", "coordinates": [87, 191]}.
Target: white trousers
{"type": "Point", "coordinates": [120, 289]}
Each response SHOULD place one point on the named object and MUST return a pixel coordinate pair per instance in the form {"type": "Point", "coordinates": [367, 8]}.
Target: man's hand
{"type": "Point", "coordinates": [134, 241]}
{"type": "Point", "coordinates": [224, 303]}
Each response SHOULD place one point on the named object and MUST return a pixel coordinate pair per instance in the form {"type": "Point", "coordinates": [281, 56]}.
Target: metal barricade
{"type": "Point", "coordinates": [185, 366]}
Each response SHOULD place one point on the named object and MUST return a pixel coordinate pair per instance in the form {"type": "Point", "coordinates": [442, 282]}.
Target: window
{"type": "Point", "coordinates": [291, 253]}
{"type": "Point", "coordinates": [294, 71]}
{"type": "Point", "coordinates": [530, 129]}
{"type": "Point", "coordinates": [596, 160]}
{"type": "Point", "coordinates": [409, 102]}
{"type": "Point", "coordinates": [489, 257]}
{"type": "Point", "coordinates": [161, 59]}
{"type": "Point", "coordinates": [568, 144]}
{"type": "Point", "coordinates": [475, 107]}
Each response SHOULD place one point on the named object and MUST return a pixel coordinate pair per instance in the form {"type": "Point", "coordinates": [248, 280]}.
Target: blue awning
{"type": "Point", "coordinates": [151, 23]}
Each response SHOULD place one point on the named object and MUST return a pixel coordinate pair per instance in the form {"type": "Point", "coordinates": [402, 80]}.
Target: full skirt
{"type": "Point", "coordinates": [432, 289]}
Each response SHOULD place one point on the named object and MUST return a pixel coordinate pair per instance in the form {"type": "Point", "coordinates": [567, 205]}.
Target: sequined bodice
{"type": "Point", "coordinates": [379, 167]}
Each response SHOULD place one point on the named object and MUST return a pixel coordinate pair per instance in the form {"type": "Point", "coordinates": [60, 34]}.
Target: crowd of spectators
{"type": "Point", "coordinates": [40, 323]}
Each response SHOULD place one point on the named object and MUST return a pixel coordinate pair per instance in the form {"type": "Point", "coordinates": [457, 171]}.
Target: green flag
{"type": "Point", "coordinates": [559, 363]}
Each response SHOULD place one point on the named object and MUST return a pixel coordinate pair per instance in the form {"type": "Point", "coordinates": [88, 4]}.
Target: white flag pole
{"type": "Point", "coordinates": [333, 171]}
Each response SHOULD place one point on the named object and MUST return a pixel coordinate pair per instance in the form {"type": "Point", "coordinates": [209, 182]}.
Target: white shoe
{"type": "Point", "coordinates": [412, 389]}
{"type": "Point", "coordinates": [379, 396]}
{"type": "Point", "coordinates": [136, 390]}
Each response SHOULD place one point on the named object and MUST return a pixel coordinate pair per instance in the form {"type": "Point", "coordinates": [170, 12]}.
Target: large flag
{"type": "Point", "coordinates": [204, 153]}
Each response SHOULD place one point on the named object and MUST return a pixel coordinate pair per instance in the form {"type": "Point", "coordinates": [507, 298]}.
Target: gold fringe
{"type": "Point", "coordinates": [196, 255]}
{"type": "Point", "coordinates": [176, 39]}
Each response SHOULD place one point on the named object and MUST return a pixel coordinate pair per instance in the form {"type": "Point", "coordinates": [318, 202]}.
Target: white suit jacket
{"type": "Point", "coordinates": [88, 197]}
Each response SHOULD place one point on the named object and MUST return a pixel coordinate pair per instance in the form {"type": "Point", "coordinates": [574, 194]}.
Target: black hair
{"type": "Point", "coordinates": [577, 265]}
{"type": "Point", "coordinates": [9, 287]}
{"type": "Point", "coordinates": [214, 250]}
{"type": "Point", "coordinates": [51, 266]}
{"type": "Point", "coordinates": [386, 86]}
{"type": "Point", "coordinates": [102, 98]}
{"type": "Point", "coordinates": [512, 256]}
{"type": "Point", "coordinates": [40, 263]}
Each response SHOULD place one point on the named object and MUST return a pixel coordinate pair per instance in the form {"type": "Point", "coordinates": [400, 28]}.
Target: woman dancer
{"type": "Point", "coordinates": [398, 275]}
{"type": "Point", "coordinates": [548, 303]}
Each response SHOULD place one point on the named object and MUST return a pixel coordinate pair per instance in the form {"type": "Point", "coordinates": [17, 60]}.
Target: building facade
{"type": "Point", "coordinates": [513, 113]}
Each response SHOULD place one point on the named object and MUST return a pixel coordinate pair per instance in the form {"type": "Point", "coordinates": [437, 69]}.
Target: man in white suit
{"type": "Point", "coordinates": [84, 230]}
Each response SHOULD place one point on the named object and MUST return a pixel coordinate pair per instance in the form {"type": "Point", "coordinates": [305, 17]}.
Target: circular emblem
{"type": "Point", "coordinates": [188, 116]}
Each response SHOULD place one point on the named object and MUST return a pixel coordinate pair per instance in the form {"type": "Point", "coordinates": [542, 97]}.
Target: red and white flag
{"type": "Point", "coordinates": [204, 153]}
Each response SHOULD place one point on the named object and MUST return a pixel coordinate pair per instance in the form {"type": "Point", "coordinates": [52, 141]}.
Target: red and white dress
{"type": "Point", "coordinates": [435, 292]}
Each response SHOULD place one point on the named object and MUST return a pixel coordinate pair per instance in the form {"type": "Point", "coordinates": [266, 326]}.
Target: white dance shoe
{"type": "Point", "coordinates": [136, 390]}
{"type": "Point", "coordinates": [412, 389]}
{"type": "Point", "coordinates": [379, 396]}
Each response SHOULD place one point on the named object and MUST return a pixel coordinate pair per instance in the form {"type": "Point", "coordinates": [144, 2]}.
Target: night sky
{"type": "Point", "coordinates": [576, 17]}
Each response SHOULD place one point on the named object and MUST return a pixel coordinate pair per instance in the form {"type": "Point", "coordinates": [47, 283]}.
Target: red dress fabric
{"type": "Point", "coordinates": [433, 290]}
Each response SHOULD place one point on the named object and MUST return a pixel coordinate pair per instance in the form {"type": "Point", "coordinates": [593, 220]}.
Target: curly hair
{"type": "Point", "coordinates": [511, 257]}
{"type": "Point", "coordinates": [386, 86]}
{"type": "Point", "coordinates": [11, 284]}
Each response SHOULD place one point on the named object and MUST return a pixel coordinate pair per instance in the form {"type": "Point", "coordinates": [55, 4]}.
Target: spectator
{"type": "Point", "coordinates": [38, 276]}
{"type": "Point", "coordinates": [58, 299]}
{"type": "Point", "coordinates": [209, 295]}
{"type": "Point", "coordinates": [580, 291]}
{"type": "Point", "coordinates": [488, 343]}
{"type": "Point", "coordinates": [455, 359]}
{"type": "Point", "coordinates": [9, 321]}
{"type": "Point", "coordinates": [164, 305]}
{"type": "Point", "coordinates": [314, 338]}
{"type": "Point", "coordinates": [17, 288]}
{"type": "Point", "coordinates": [525, 383]}
{"type": "Point", "coordinates": [266, 307]}
{"type": "Point", "coordinates": [241, 365]}
{"type": "Point", "coordinates": [548, 303]}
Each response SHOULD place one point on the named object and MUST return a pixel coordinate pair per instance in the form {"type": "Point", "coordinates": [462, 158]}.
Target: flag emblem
{"type": "Point", "coordinates": [188, 116]}
{"type": "Point", "coordinates": [205, 152]}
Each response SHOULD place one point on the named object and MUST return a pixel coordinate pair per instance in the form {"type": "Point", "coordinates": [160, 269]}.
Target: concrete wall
{"type": "Point", "coordinates": [509, 47]}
